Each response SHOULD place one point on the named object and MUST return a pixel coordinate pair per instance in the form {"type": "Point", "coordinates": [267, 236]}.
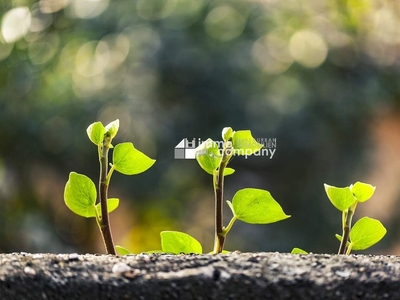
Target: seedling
{"type": "Point", "coordinates": [366, 232]}
{"type": "Point", "coordinates": [80, 193]}
{"type": "Point", "coordinates": [249, 205]}
{"type": "Point", "coordinates": [254, 206]}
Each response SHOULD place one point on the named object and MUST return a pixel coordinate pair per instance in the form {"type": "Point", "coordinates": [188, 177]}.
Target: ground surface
{"type": "Point", "coordinates": [234, 276]}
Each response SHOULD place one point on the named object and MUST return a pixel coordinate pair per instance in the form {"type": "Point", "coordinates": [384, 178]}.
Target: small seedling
{"type": "Point", "coordinates": [366, 232]}
{"type": "Point", "coordinates": [80, 193]}
{"type": "Point", "coordinates": [249, 205]}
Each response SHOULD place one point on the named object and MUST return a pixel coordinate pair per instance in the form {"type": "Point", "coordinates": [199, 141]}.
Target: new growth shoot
{"type": "Point", "coordinates": [366, 232]}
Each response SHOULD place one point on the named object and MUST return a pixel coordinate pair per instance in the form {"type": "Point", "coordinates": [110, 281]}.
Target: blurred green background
{"type": "Point", "coordinates": [322, 77]}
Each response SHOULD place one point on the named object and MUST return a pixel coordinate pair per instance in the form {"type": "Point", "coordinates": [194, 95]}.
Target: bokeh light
{"type": "Point", "coordinates": [224, 23]}
{"type": "Point", "coordinates": [15, 24]}
{"type": "Point", "coordinates": [308, 48]}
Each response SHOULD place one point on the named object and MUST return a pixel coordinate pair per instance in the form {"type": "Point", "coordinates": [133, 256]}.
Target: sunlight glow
{"type": "Point", "coordinates": [15, 24]}
{"type": "Point", "coordinates": [225, 23]}
{"type": "Point", "coordinates": [88, 9]}
{"type": "Point", "coordinates": [270, 53]}
{"type": "Point", "coordinates": [308, 48]}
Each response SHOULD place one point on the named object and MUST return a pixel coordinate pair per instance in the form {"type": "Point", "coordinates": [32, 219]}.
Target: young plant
{"type": "Point", "coordinates": [249, 205]}
{"type": "Point", "coordinates": [80, 193]}
{"type": "Point", "coordinates": [366, 232]}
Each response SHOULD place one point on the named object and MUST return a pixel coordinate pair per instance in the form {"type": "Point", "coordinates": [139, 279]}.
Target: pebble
{"type": "Point", "coordinates": [73, 256]}
{"type": "Point", "coordinates": [345, 273]}
{"type": "Point", "coordinates": [120, 268]}
{"type": "Point", "coordinates": [29, 271]}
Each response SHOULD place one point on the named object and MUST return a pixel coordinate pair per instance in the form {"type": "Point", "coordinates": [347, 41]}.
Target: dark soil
{"type": "Point", "coordinates": [231, 276]}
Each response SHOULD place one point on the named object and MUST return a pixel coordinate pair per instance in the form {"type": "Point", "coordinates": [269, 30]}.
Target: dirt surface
{"type": "Point", "coordinates": [231, 276]}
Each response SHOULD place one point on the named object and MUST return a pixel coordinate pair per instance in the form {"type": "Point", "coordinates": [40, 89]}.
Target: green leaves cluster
{"type": "Point", "coordinates": [80, 194]}
{"type": "Point", "coordinates": [344, 198]}
{"type": "Point", "coordinates": [366, 232]}
{"type": "Point", "coordinates": [209, 155]}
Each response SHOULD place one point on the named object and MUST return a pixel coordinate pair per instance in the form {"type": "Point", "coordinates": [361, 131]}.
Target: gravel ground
{"type": "Point", "coordinates": [231, 276]}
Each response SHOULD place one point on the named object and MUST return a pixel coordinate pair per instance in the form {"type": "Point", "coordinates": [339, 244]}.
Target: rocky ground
{"type": "Point", "coordinates": [231, 276]}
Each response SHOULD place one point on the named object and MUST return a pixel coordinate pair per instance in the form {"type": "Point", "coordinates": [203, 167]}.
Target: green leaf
{"type": "Point", "coordinates": [122, 250]}
{"type": "Point", "coordinates": [227, 134]}
{"type": "Point", "coordinates": [112, 129]}
{"type": "Point", "coordinates": [257, 206]}
{"type": "Point", "coordinates": [130, 161]}
{"type": "Point", "coordinates": [179, 242]}
{"type": "Point", "coordinates": [362, 191]}
{"type": "Point", "coordinates": [298, 251]}
{"type": "Point", "coordinates": [96, 132]}
{"type": "Point", "coordinates": [154, 251]}
{"type": "Point", "coordinates": [339, 237]}
{"type": "Point", "coordinates": [230, 206]}
{"type": "Point", "coordinates": [208, 156]}
{"type": "Point", "coordinates": [112, 204]}
{"type": "Point", "coordinates": [80, 195]}
{"type": "Point", "coordinates": [366, 232]}
{"type": "Point", "coordinates": [228, 171]}
{"type": "Point", "coordinates": [244, 143]}
{"type": "Point", "coordinates": [341, 198]}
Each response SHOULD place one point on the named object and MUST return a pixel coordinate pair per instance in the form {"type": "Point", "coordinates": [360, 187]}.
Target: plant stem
{"type": "Point", "coordinates": [346, 220]}
{"type": "Point", "coordinates": [103, 195]}
{"type": "Point", "coordinates": [349, 249]}
{"type": "Point", "coordinates": [218, 179]}
{"type": "Point", "coordinates": [226, 229]}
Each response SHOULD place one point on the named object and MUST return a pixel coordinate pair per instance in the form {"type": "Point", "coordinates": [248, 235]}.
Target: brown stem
{"type": "Point", "coordinates": [103, 195]}
{"type": "Point", "coordinates": [345, 238]}
{"type": "Point", "coordinates": [219, 196]}
{"type": "Point", "coordinates": [346, 228]}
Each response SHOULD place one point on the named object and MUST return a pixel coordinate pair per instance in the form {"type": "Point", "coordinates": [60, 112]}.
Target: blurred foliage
{"type": "Point", "coordinates": [311, 74]}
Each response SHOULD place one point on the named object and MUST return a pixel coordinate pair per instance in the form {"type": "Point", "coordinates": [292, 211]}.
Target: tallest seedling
{"type": "Point", "coordinates": [249, 205]}
{"type": "Point", "coordinates": [80, 193]}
